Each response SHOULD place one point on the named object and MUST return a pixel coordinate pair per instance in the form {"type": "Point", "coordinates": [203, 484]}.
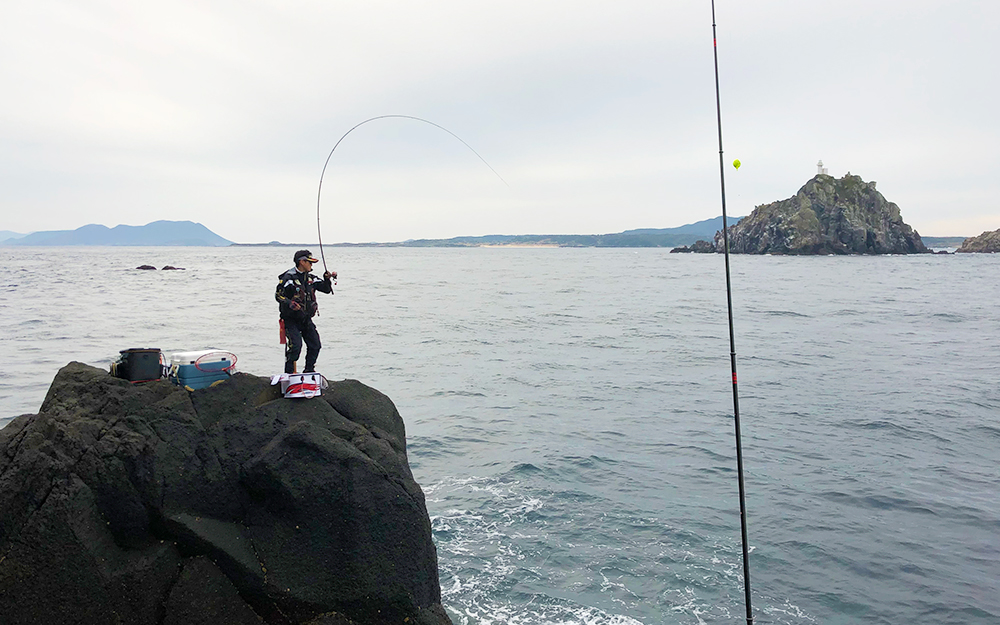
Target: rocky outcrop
{"type": "Point", "coordinates": [986, 242]}
{"type": "Point", "coordinates": [698, 247]}
{"type": "Point", "coordinates": [703, 247]}
{"type": "Point", "coordinates": [149, 504]}
{"type": "Point", "coordinates": [826, 216]}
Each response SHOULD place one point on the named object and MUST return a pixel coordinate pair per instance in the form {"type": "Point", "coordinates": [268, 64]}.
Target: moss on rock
{"type": "Point", "coordinates": [826, 216]}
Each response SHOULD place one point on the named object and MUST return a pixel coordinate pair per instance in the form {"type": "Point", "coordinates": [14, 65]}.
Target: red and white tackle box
{"type": "Point", "coordinates": [294, 385]}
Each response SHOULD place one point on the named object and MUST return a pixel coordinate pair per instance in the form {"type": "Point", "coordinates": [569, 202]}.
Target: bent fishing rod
{"type": "Point", "coordinates": [319, 192]}
{"type": "Point", "coordinates": [732, 335]}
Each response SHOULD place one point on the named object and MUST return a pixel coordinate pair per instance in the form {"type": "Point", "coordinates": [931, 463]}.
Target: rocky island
{"type": "Point", "coordinates": [150, 504]}
{"type": "Point", "coordinates": [987, 242]}
{"type": "Point", "coordinates": [826, 216]}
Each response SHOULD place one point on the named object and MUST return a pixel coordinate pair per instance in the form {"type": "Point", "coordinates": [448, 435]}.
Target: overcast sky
{"type": "Point", "coordinates": [599, 115]}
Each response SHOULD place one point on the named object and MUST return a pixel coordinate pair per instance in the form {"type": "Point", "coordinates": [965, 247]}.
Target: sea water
{"type": "Point", "coordinates": [569, 414]}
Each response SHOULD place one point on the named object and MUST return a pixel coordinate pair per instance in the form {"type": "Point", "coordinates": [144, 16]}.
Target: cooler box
{"type": "Point", "coordinates": [201, 369]}
{"type": "Point", "coordinates": [138, 365]}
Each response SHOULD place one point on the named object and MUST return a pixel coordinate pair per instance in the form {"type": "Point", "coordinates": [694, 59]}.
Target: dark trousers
{"type": "Point", "coordinates": [295, 333]}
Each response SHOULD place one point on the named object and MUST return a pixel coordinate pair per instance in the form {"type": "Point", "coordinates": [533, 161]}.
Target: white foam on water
{"type": "Point", "coordinates": [481, 558]}
{"type": "Point", "coordinates": [515, 556]}
{"type": "Point", "coordinates": [536, 613]}
{"type": "Point", "coordinates": [777, 611]}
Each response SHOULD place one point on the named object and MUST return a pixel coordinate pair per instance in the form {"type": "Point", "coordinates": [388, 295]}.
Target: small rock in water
{"type": "Point", "coordinates": [698, 247]}
{"type": "Point", "coordinates": [146, 267]}
{"type": "Point", "coordinates": [172, 268]}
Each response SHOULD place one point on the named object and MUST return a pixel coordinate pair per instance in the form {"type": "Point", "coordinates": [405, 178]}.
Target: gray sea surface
{"type": "Point", "coordinates": [569, 414]}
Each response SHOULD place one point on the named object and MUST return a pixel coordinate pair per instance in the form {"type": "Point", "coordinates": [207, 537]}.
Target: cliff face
{"type": "Point", "coordinates": [826, 216]}
{"type": "Point", "coordinates": [986, 242]}
{"type": "Point", "coordinates": [148, 504]}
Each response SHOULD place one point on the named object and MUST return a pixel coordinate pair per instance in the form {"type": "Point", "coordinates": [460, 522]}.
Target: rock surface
{"type": "Point", "coordinates": [698, 247]}
{"type": "Point", "coordinates": [703, 247]}
{"type": "Point", "coordinates": [826, 216]}
{"type": "Point", "coordinates": [149, 504]}
{"type": "Point", "coordinates": [986, 242]}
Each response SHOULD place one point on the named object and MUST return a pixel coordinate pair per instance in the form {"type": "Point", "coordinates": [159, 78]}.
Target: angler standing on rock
{"type": "Point", "coordinates": [296, 295]}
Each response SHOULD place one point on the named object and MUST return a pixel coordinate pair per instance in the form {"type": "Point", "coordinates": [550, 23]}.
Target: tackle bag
{"type": "Point", "coordinates": [138, 365]}
{"type": "Point", "coordinates": [300, 385]}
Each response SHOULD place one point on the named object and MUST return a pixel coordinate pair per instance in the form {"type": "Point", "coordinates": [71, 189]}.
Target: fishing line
{"type": "Point", "coordinates": [732, 339]}
{"type": "Point", "coordinates": [319, 192]}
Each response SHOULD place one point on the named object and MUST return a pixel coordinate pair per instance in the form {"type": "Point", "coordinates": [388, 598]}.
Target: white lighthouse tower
{"type": "Point", "coordinates": [822, 170]}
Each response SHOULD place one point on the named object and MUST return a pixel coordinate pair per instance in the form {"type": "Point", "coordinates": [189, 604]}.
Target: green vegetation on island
{"type": "Point", "coordinates": [826, 216]}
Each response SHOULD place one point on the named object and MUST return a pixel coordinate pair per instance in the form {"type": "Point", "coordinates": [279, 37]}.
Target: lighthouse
{"type": "Point", "coordinates": [822, 170]}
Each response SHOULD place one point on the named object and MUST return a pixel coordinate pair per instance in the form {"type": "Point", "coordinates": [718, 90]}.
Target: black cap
{"type": "Point", "coordinates": [306, 255]}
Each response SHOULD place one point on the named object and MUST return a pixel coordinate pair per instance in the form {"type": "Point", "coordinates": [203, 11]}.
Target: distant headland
{"type": "Point", "coordinates": [826, 216]}
{"type": "Point", "coordinates": [157, 233]}
{"type": "Point", "coordinates": [645, 237]}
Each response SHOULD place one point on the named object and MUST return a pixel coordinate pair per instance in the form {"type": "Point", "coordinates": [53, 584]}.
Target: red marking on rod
{"type": "Point", "coordinates": [734, 377]}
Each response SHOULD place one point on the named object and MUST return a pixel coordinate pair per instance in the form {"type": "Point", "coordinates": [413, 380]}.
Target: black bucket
{"type": "Point", "coordinates": [138, 365]}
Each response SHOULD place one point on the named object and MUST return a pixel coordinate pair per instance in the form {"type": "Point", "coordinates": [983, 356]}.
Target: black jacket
{"type": "Point", "coordinates": [296, 286]}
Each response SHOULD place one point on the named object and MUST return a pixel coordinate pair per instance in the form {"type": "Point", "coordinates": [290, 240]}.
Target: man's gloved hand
{"type": "Point", "coordinates": [330, 274]}
{"type": "Point", "coordinates": [294, 305]}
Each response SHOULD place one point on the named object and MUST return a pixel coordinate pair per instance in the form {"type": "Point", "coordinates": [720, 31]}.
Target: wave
{"type": "Point", "coordinates": [514, 550]}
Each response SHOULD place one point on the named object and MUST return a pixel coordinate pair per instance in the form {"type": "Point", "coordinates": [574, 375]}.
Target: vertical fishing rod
{"type": "Point", "coordinates": [732, 335]}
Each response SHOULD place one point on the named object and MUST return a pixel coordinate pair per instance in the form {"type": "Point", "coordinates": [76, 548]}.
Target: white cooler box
{"type": "Point", "coordinates": [201, 369]}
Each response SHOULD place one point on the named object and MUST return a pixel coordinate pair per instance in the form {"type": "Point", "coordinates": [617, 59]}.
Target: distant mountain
{"type": "Point", "coordinates": [648, 237]}
{"type": "Point", "coordinates": [166, 233]}
{"type": "Point", "coordinates": [7, 234]}
{"type": "Point", "coordinates": [704, 228]}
